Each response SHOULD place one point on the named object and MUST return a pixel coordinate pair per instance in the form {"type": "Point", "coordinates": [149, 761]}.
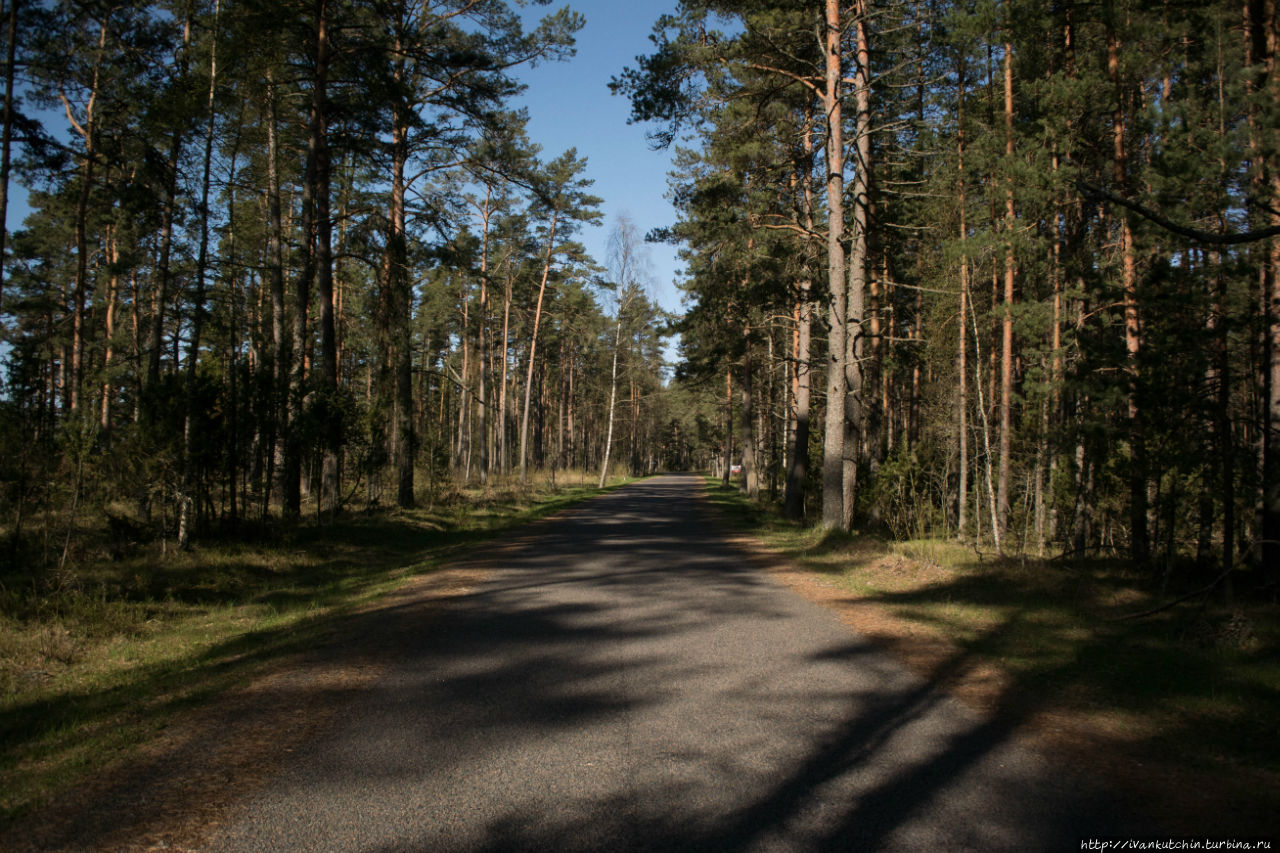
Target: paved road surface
{"type": "Point", "coordinates": [625, 682]}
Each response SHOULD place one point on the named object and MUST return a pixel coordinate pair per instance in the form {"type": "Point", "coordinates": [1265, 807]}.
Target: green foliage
{"type": "Point", "coordinates": [908, 496]}
{"type": "Point", "coordinates": [1135, 368]}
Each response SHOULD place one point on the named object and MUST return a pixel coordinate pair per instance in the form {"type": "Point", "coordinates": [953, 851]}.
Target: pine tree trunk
{"type": "Point", "coordinates": [728, 427]}
{"type": "Point", "coordinates": [834, 436]}
{"type": "Point", "coordinates": [1263, 46]}
{"type": "Point", "coordinates": [962, 367]}
{"type": "Point", "coordinates": [6, 133]}
{"type": "Point", "coordinates": [851, 451]}
{"type": "Point", "coordinates": [613, 397]}
{"type": "Point", "coordinates": [462, 450]}
{"type": "Point", "coordinates": [533, 349]}
{"type": "Point", "coordinates": [1006, 326]}
{"type": "Point", "coordinates": [1139, 542]}
{"type": "Point", "coordinates": [88, 131]}
{"type": "Point", "coordinates": [397, 300]}
{"type": "Point", "coordinates": [503, 379]}
{"type": "Point", "coordinates": [750, 473]}
{"type": "Point", "coordinates": [996, 532]}
{"type": "Point", "coordinates": [798, 456]}
{"type": "Point", "coordinates": [802, 372]}
{"type": "Point", "coordinates": [293, 468]}
{"type": "Point", "coordinates": [330, 496]}
{"type": "Point", "coordinates": [168, 214]}
{"type": "Point", "coordinates": [188, 496]}
{"type": "Point", "coordinates": [277, 422]}
{"type": "Point", "coordinates": [109, 327]}
{"type": "Point", "coordinates": [483, 410]}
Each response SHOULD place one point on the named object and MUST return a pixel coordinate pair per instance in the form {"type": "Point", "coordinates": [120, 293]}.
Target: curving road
{"type": "Point", "coordinates": [625, 680]}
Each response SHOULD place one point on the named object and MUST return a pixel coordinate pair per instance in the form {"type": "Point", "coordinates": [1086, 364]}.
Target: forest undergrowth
{"type": "Point", "coordinates": [102, 652]}
{"type": "Point", "coordinates": [1177, 706]}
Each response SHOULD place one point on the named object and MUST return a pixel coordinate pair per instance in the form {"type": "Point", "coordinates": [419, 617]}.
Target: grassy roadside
{"type": "Point", "coordinates": [1179, 707]}
{"type": "Point", "coordinates": [100, 658]}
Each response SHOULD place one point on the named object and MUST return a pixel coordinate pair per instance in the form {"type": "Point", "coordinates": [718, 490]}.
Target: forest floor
{"type": "Point", "coordinates": [115, 670]}
{"type": "Point", "coordinates": [1177, 709]}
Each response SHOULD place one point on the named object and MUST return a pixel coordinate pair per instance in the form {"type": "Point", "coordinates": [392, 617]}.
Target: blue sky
{"type": "Point", "coordinates": [570, 106]}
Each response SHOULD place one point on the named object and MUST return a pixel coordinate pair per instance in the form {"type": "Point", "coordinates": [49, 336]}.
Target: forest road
{"type": "Point", "coordinates": [626, 680]}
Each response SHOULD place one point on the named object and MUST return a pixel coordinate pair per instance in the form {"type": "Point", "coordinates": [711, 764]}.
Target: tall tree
{"type": "Point", "coordinates": [561, 202]}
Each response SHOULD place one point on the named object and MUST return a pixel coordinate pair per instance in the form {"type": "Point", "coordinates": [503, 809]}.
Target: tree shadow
{"type": "Point", "coordinates": [346, 562]}
{"type": "Point", "coordinates": [620, 688]}
{"type": "Point", "coordinates": [628, 681]}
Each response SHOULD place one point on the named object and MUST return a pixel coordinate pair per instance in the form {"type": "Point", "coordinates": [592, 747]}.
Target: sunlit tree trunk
{"type": "Point", "coordinates": [613, 396]}
{"type": "Point", "coordinates": [89, 133]}
{"type": "Point", "coordinates": [834, 436]}
{"type": "Point", "coordinates": [503, 380]}
{"type": "Point", "coordinates": [858, 260]}
{"type": "Point", "coordinates": [483, 323]}
{"type": "Point", "coordinates": [533, 347]}
{"type": "Point", "coordinates": [1006, 318]}
{"type": "Point", "coordinates": [109, 326]}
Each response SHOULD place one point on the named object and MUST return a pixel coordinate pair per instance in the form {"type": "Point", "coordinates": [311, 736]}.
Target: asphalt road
{"type": "Point", "coordinates": [626, 681]}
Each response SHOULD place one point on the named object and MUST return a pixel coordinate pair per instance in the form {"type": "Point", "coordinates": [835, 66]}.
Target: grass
{"type": "Point", "coordinates": [98, 657]}
{"type": "Point", "coordinates": [1196, 686]}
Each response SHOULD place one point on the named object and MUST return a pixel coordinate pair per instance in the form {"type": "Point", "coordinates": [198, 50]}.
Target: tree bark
{"type": "Point", "coordinates": [277, 423]}
{"type": "Point", "coordinates": [168, 213]}
{"type": "Point", "coordinates": [330, 496]}
{"type": "Point", "coordinates": [728, 427]}
{"type": "Point", "coordinates": [962, 354]}
{"type": "Point", "coordinates": [801, 374]}
{"type": "Point", "coordinates": [533, 348]}
{"type": "Point", "coordinates": [1263, 44]}
{"type": "Point", "coordinates": [187, 501]}
{"type": "Point", "coordinates": [483, 321]}
{"type": "Point", "coordinates": [88, 131]}
{"type": "Point", "coordinates": [506, 362]}
{"type": "Point", "coordinates": [613, 397]}
{"type": "Point", "coordinates": [109, 327]}
{"type": "Point", "coordinates": [1006, 319]}
{"type": "Point", "coordinates": [6, 133]}
{"type": "Point", "coordinates": [834, 436]}
{"type": "Point", "coordinates": [1139, 542]}
{"type": "Point", "coordinates": [750, 467]}
{"type": "Point", "coordinates": [798, 457]}
{"type": "Point", "coordinates": [858, 260]}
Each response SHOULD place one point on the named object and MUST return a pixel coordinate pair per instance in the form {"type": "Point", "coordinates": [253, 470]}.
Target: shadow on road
{"type": "Point", "coordinates": [628, 681]}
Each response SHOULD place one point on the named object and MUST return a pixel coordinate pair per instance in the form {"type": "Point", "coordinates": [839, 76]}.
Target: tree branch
{"type": "Point", "coordinates": [1093, 193]}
